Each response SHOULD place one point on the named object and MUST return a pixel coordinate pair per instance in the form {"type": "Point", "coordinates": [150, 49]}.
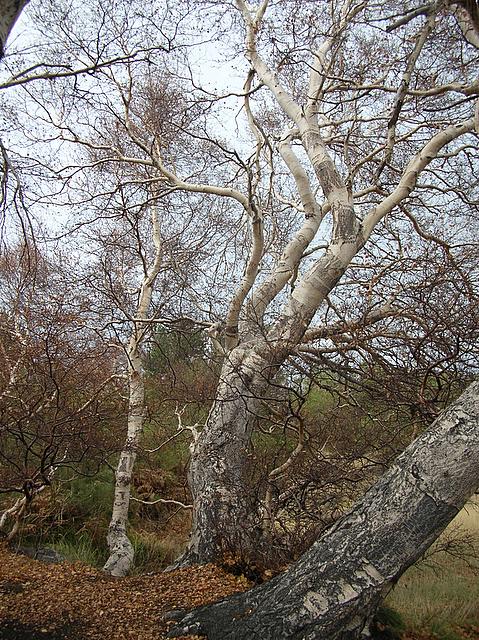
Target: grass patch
{"type": "Point", "coordinates": [153, 554]}
{"type": "Point", "coordinates": [441, 594]}
{"type": "Point", "coordinates": [80, 549]}
{"type": "Point", "coordinates": [439, 600]}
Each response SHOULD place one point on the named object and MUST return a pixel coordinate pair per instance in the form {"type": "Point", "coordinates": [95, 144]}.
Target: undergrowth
{"type": "Point", "coordinates": [440, 595]}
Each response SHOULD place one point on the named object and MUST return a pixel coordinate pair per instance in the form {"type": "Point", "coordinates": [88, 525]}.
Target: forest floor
{"type": "Point", "coordinates": [77, 602]}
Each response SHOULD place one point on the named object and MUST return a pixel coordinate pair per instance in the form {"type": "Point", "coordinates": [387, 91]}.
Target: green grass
{"type": "Point", "coordinates": [441, 594]}
{"type": "Point", "coordinates": [439, 600]}
{"type": "Point", "coordinates": [80, 549]}
{"type": "Point", "coordinates": [153, 553]}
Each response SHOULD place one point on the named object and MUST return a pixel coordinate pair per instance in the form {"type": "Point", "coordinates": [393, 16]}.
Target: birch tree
{"type": "Point", "coordinates": [335, 588]}
{"type": "Point", "coordinates": [357, 131]}
{"type": "Point", "coordinates": [134, 269]}
{"type": "Point", "coordinates": [107, 184]}
{"type": "Point", "coordinates": [365, 163]}
{"type": "Point", "coordinates": [121, 549]}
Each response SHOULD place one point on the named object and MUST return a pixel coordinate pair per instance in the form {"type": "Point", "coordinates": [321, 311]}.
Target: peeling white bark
{"type": "Point", "coordinates": [403, 88]}
{"type": "Point", "coordinates": [246, 284]}
{"type": "Point", "coordinates": [288, 263]}
{"type": "Point", "coordinates": [335, 587]}
{"type": "Point", "coordinates": [121, 550]}
{"type": "Point", "coordinates": [223, 515]}
{"type": "Point", "coordinates": [465, 22]}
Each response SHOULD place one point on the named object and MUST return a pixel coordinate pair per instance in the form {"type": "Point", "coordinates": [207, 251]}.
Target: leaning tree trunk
{"type": "Point", "coordinates": [335, 587]}
{"type": "Point", "coordinates": [9, 13]}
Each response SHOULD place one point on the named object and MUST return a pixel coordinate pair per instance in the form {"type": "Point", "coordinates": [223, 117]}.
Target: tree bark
{"type": "Point", "coordinates": [223, 510]}
{"type": "Point", "coordinates": [9, 12]}
{"type": "Point", "coordinates": [222, 517]}
{"type": "Point", "coordinates": [121, 550]}
{"type": "Point", "coordinates": [335, 587]}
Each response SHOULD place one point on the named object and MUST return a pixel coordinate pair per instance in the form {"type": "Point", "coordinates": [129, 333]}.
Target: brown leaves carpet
{"type": "Point", "coordinates": [76, 602]}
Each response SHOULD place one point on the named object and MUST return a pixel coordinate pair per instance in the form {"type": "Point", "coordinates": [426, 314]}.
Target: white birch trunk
{"type": "Point", "coordinates": [220, 461]}
{"type": "Point", "coordinates": [333, 590]}
{"type": "Point", "coordinates": [224, 517]}
{"type": "Point", "coordinates": [121, 550]}
{"type": "Point", "coordinates": [223, 511]}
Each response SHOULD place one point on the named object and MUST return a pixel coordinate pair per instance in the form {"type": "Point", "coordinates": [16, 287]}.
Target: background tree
{"type": "Point", "coordinates": [59, 395]}
{"type": "Point", "coordinates": [121, 549]}
{"type": "Point", "coordinates": [140, 237]}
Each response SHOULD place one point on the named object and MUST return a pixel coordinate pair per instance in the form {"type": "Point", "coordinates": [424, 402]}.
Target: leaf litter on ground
{"type": "Point", "coordinates": [67, 601]}
{"type": "Point", "coordinates": [79, 602]}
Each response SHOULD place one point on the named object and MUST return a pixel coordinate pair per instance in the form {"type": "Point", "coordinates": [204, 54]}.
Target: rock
{"type": "Point", "coordinates": [43, 554]}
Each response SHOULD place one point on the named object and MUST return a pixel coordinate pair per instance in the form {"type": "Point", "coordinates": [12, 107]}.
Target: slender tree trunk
{"type": "Point", "coordinates": [333, 590]}
{"type": "Point", "coordinates": [121, 549]}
